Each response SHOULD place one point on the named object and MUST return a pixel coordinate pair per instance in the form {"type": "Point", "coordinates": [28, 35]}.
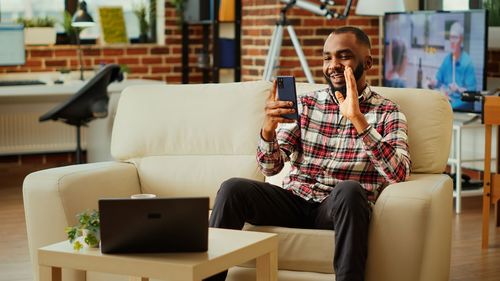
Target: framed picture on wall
{"type": "Point", "coordinates": [112, 23]}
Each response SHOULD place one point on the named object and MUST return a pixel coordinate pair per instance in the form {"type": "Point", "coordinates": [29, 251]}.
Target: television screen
{"type": "Point", "coordinates": [438, 50]}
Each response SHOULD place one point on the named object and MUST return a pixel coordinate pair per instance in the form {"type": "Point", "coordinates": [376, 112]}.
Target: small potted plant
{"type": "Point", "coordinates": [87, 232]}
{"type": "Point", "coordinates": [125, 71]}
{"type": "Point", "coordinates": [141, 13]}
{"type": "Point", "coordinates": [39, 31]}
{"type": "Point", "coordinates": [179, 8]}
{"type": "Point", "coordinates": [70, 32]}
{"type": "Point", "coordinates": [493, 7]}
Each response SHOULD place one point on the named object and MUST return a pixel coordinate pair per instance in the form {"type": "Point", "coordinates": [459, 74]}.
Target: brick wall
{"type": "Point", "coordinates": [152, 61]}
{"type": "Point", "coordinates": [148, 61]}
{"type": "Point", "coordinates": [259, 18]}
{"type": "Point", "coordinates": [144, 60]}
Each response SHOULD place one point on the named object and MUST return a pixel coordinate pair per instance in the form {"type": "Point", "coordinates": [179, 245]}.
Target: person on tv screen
{"type": "Point", "coordinates": [351, 143]}
{"type": "Point", "coordinates": [456, 73]}
{"type": "Point", "coordinates": [395, 76]}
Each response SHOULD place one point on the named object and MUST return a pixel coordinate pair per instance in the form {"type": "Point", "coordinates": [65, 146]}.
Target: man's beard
{"type": "Point", "coordinates": [358, 72]}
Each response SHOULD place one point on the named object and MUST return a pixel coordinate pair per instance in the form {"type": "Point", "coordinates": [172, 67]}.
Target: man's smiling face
{"type": "Point", "coordinates": [339, 51]}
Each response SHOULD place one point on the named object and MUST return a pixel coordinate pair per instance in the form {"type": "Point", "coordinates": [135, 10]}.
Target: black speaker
{"type": "Point", "coordinates": [197, 10]}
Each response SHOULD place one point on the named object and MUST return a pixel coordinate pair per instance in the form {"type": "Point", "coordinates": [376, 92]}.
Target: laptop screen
{"type": "Point", "coordinates": [154, 225]}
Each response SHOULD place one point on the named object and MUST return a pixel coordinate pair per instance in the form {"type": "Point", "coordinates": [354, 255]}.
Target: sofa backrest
{"type": "Point", "coordinates": [430, 121]}
{"type": "Point", "coordinates": [185, 140]}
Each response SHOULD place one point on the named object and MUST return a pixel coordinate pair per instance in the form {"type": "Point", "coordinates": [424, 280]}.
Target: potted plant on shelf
{"type": "Point", "coordinates": [87, 232]}
{"type": "Point", "coordinates": [179, 8]}
{"type": "Point", "coordinates": [141, 13]}
{"type": "Point", "coordinates": [70, 32]}
{"type": "Point", "coordinates": [38, 31]}
{"type": "Point", "coordinates": [493, 7]}
{"type": "Point", "coordinates": [125, 70]}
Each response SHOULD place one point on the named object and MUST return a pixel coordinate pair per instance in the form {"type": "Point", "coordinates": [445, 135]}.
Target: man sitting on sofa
{"type": "Point", "coordinates": [350, 144]}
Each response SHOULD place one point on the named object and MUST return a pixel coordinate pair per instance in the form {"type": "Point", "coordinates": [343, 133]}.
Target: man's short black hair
{"type": "Point", "coordinates": [360, 34]}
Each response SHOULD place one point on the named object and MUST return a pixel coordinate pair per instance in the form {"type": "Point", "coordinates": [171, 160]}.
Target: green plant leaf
{"type": "Point", "coordinates": [141, 12]}
{"type": "Point", "coordinates": [37, 22]}
{"type": "Point", "coordinates": [77, 246]}
{"type": "Point", "coordinates": [493, 7]}
{"type": "Point", "coordinates": [87, 220]}
{"type": "Point", "coordinates": [179, 8]}
{"type": "Point", "coordinates": [66, 24]}
{"type": "Point", "coordinates": [91, 240]}
{"type": "Point", "coordinates": [71, 232]}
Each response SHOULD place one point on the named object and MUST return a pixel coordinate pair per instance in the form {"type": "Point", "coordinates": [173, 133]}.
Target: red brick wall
{"type": "Point", "coordinates": [144, 60]}
{"type": "Point", "coordinates": [149, 61]}
{"type": "Point", "coordinates": [259, 16]}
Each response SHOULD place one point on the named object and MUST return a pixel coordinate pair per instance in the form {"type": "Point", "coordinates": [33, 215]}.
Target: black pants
{"type": "Point", "coordinates": [346, 211]}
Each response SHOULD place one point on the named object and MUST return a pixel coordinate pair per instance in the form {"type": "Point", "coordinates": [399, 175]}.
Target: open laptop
{"type": "Point", "coordinates": [154, 225]}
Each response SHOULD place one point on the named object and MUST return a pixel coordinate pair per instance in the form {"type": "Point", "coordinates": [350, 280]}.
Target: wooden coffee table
{"type": "Point", "coordinates": [226, 248]}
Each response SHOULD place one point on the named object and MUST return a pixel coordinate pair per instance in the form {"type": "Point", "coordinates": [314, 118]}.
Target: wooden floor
{"type": "Point", "coordinates": [468, 261]}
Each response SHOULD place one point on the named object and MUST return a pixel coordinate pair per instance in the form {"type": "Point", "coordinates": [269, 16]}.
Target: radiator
{"type": "Point", "coordinates": [20, 133]}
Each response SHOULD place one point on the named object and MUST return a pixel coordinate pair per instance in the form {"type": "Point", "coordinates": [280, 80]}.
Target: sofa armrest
{"type": "Point", "coordinates": [410, 230]}
{"type": "Point", "coordinates": [53, 197]}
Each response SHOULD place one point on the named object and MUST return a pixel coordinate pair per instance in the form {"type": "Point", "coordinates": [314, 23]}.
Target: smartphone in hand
{"type": "Point", "coordinates": [287, 92]}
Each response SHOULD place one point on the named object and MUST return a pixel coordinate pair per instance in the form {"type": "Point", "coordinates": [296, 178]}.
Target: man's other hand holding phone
{"type": "Point", "coordinates": [274, 110]}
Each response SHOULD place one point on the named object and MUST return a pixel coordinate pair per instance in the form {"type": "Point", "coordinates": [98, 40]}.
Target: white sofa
{"type": "Point", "coordinates": [185, 140]}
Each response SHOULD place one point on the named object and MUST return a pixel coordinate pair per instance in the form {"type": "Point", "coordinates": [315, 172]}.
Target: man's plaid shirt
{"type": "Point", "coordinates": [327, 148]}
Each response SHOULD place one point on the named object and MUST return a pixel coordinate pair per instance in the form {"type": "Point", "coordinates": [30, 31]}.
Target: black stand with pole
{"type": "Point", "coordinates": [276, 43]}
{"type": "Point", "coordinates": [80, 57]}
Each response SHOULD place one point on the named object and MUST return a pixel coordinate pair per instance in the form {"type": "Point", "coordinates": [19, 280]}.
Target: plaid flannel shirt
{"type": "Point", "coordinates": [326, 148]}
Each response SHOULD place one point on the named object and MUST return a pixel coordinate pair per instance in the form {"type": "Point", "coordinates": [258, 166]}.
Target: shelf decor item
{"type": "Point", "coordinates": [226, 53]}
{"type": "Point", "coordinates": [179, 9]}
{"type": "Point", "coordinates": [39, 31]}
{"type": "Point", "coordinates": [227, 11]}
{"type": "Point", "coordinates": [141, 12]}
{"type": "Point", "coordinates": [113, 29]}
{"type": "Point", "coordinates": [70, 32]}
{"type": "Point", "coordinates": [493, 7]}
{"type": "Point", "coordinates": [87, 232]}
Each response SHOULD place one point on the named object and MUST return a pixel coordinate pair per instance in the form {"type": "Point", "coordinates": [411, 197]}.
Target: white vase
{"type": "Point", "coordinates": [494, 37]}
{"type": "Point", "coordinates": [39, 35]}
{"type": "Point", "coordinates": [85, 232]}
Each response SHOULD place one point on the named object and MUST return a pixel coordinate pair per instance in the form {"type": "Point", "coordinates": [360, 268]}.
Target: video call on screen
{"type": "Point", "coordinates": [425, 42]}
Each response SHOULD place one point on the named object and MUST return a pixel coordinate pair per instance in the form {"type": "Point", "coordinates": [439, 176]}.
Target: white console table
{"type": "Point", "coordinates": [468, 135]}
{"type": "Point", "coordinates": [455, 161]}
{"type": "Point", "coordinates": [21, 132]}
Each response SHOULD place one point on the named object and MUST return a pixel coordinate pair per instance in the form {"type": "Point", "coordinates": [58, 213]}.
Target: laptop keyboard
{"type": "Point", "coordinates": [20, 82]}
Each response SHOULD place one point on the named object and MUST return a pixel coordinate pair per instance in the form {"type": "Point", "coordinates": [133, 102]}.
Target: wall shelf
{"type": "Point", "coordinates": [212, 44]}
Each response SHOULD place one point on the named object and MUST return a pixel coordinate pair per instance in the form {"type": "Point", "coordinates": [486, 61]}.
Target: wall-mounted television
{"type": "Point", "coordinates": [442, 50]}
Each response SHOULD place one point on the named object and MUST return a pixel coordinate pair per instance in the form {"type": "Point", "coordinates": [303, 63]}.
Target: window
{"type": "Point", "coordinates": [455, 5]}
{"type": "Point", "coordinates": [132, 24]}
{"type": "Point", "coordinates": [10, 10]}
{"type": "Point", "coordinates": [14, 9]}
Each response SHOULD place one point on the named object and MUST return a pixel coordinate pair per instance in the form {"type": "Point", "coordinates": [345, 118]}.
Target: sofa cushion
{"type": "Point", "coordinates": [302, 249]}
{"type": "Point", "coordinates": [429, 137]}
{"type": "Point", "coordinates": [192, 175]}
{"type": "Point", "coordinates": [204, 119]}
